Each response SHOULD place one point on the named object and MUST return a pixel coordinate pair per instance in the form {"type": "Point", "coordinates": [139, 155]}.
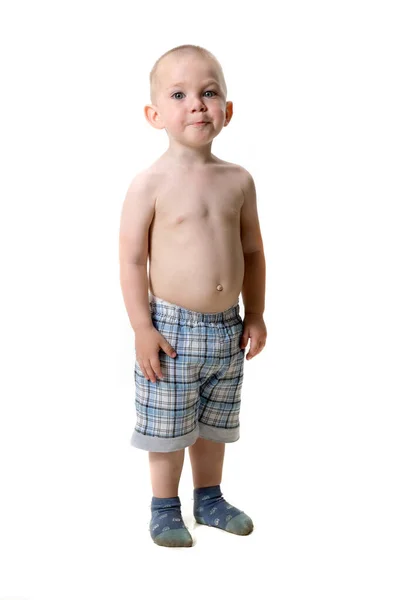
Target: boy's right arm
{"type": "Point", "coordinates": [137, 214]}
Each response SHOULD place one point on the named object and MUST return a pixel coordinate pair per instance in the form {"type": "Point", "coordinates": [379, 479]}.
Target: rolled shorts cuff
{"type": "Point", "coordinates": [153, 443]}
{"type": "Point", "coordinates": [217, 434]}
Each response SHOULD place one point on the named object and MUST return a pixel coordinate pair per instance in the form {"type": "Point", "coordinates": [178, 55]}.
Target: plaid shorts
{"type": "Point", "coordinates": [201, 390]}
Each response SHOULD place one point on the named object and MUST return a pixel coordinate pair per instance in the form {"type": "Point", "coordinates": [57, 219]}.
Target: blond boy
{"type": "Point", "coordinates": [195, 217]}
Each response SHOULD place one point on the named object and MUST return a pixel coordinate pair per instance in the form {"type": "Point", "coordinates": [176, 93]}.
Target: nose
{"type": "Point", "coordinates": [197, 104]}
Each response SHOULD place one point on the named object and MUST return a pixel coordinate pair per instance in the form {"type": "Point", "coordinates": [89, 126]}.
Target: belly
{"type": "Point", "coordinates": [201, 272]}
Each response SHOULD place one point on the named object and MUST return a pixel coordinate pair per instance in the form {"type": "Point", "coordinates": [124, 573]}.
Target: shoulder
{"type": "Point", "coordinates": [246, 183]}
{"type": "Point", "coordinates": [244, 176]}
{"type": "Point", "coordinates": [144, 186]}
{"type": "Point", "coordinates": [144, 180]}
{"type": "Point", "coordinates": [140, 198]}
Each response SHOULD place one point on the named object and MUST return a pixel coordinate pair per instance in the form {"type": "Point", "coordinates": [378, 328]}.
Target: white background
{"type": "Point", "coordinates": [314, 87]}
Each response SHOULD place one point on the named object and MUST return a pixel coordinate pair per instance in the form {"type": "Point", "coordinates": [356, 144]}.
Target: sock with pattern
{"type": "Point", "coordinates": [167, 527]}
{"type": "Point", "coordinates": [211, 509]}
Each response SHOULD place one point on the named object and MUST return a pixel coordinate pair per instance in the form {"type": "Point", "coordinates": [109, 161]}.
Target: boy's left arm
{"type": "Point", "coordinates": [253, 289]}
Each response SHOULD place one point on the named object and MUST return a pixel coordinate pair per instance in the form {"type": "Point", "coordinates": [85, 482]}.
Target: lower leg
{"type": "Point", "coordinates": [210, 508]}
{"type": "Point", "coordinates": [207, 459]}
{"type": "Point", "coordinates": [167, 527]}
{"type": "Point", "coordinates": [165, 469]}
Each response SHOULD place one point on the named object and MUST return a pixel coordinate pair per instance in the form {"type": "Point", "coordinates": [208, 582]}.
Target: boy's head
{"type": "Point", "coordinates": [188, 86]}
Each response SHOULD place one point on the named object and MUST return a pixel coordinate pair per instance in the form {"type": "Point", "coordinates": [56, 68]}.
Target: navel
{"type": "Point", "coordinates": [220, 287]}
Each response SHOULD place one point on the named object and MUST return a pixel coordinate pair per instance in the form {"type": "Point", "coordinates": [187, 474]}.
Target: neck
{"type": "Point", "coordinates": [186, 156]}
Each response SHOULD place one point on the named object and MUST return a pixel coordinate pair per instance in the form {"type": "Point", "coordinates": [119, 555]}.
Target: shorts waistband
{"type": "Point", "coordinates": [172, 312]}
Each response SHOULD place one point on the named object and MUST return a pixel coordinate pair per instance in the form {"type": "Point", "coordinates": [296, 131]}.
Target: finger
{"type": "Point", "coordinates": [155, 363]}
{"type": "Point", "coordinates": [255, 349]}
{"type": "Point", "coordinates": [149, 370]}
{"type": "Point", "coordinates": [143, 368]}
{"type": "Point", "coordinates": [252, 352]}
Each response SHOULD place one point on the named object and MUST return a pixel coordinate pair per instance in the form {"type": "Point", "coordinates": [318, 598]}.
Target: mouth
{"type": "Point", "coordinates": [200, 123]}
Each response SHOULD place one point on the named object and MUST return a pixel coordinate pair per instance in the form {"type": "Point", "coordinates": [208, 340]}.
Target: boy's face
{"type": "Point", "coordinates": [189, 91]}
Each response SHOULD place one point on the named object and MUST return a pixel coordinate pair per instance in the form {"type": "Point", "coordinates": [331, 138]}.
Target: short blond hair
{"type": "Point", "coordinates": [185, 48]}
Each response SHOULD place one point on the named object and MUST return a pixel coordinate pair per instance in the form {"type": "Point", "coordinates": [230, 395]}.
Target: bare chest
{"type": "Point", "coordinates": [190, 200]}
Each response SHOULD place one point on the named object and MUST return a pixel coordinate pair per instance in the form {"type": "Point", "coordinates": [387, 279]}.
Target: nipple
{"type": "Point", "coordinates": [220, 287]}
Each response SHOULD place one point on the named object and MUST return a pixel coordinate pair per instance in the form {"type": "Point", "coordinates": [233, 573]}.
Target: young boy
{"type": "Point", "coordinates": [195, 216]}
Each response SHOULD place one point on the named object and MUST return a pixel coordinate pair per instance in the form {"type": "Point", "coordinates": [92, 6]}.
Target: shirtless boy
{"type": "Point", "coordinates": [195, 217]}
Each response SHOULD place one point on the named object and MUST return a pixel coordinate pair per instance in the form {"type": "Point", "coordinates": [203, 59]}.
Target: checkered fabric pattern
{"type": "Point", "coordinates": [200, 394]}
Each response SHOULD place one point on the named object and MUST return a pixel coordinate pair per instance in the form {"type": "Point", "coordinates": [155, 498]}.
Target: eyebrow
{"type": "Point", "coordinates": [182, 83]}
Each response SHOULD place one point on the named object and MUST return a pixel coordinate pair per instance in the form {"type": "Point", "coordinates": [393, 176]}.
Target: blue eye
{"type": "Point", "coordinates": [207, 91]}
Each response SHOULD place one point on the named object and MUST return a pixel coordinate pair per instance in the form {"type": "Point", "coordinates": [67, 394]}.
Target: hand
{"type": "Point", "coordinates": [254, 328]}
{"type": "Point", "coordinates": [148, 342]}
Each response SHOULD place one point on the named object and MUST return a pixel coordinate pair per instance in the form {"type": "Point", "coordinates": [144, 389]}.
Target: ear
{"type": "Point", "coordinates": [153, 117]}
{"type": "Point", "coordinates": [229, 112]}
